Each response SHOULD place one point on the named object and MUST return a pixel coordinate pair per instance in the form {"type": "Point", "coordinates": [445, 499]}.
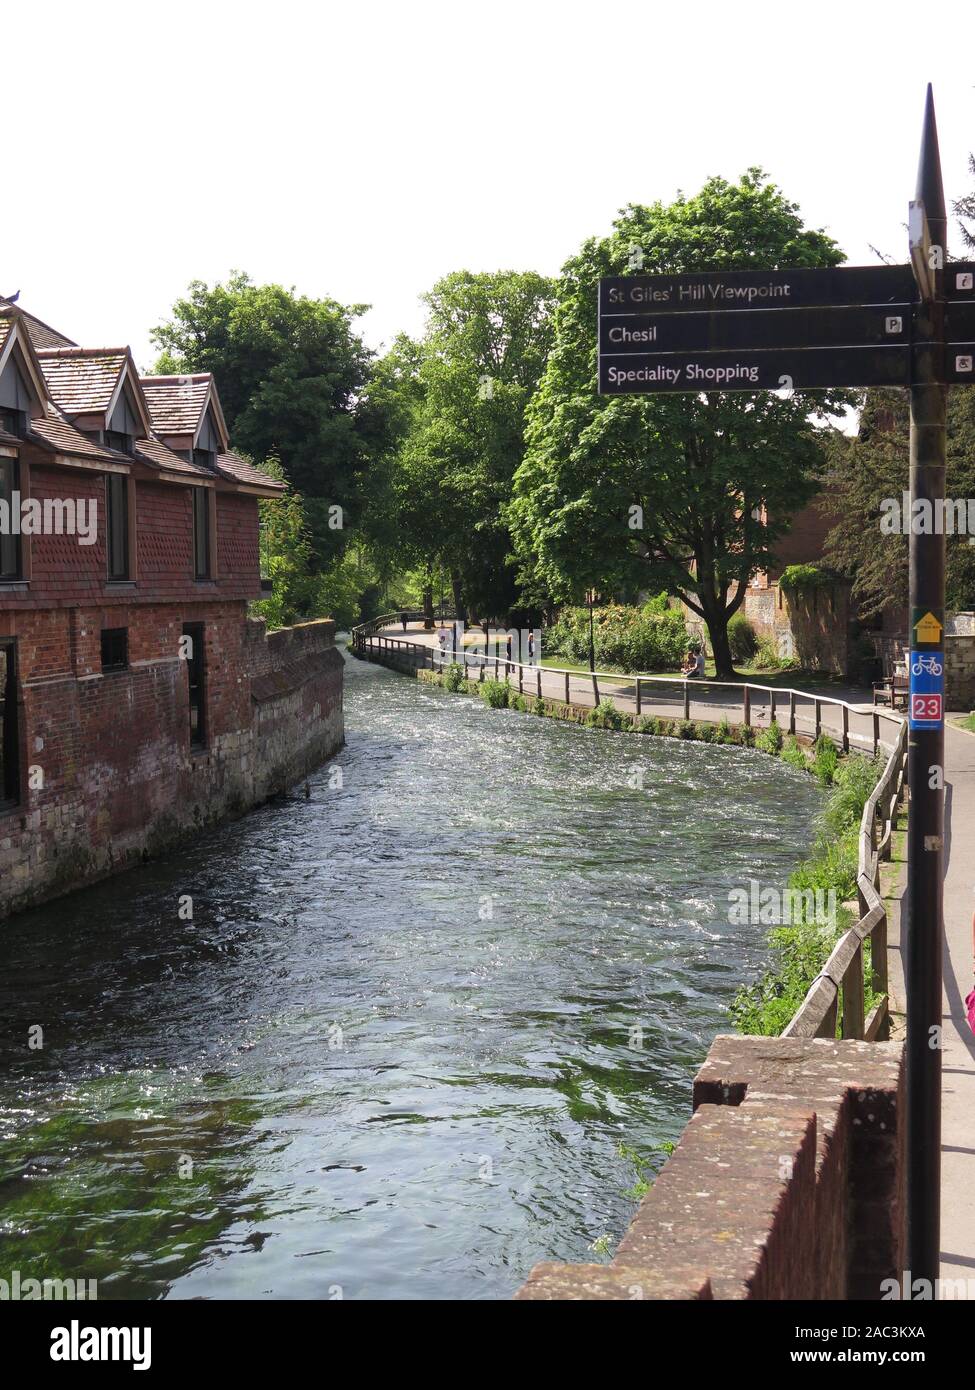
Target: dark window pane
{"type": "Point", "coordinates": [9, 542]}
{"type": "Point", "coordinates": [117, 525]}
{"type": "Point", "coordinates": [194, 651]}
{"type": "Point", "coordinates": [115, 648]}
{"type": "Point", "coordinates": [201, 533]}
{"type": "Point", "coordinates": [9, 733]}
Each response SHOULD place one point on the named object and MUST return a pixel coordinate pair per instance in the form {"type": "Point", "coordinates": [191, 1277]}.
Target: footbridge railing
{"type": "Point", "coordinates": [838, 997]}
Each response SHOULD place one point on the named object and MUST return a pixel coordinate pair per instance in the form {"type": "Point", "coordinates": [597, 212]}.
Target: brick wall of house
{"type": "Point", "coordinates": [108, 771]}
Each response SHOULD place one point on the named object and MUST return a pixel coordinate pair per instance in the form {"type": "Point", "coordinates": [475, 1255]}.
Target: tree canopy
{"type": "Point", "coordinates": [689, 493]}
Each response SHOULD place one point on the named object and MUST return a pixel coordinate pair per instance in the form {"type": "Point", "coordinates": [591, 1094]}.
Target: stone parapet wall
{"type": "Point", "coordinates": [788, 1183]}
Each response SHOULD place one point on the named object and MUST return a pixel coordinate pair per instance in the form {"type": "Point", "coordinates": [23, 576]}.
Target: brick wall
{"type": "Point", "coordinates": [788, 1183]}
{"type": "Point", "coordinates": [108, 772]}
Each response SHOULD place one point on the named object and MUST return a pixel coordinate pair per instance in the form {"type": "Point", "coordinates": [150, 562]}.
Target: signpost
{"type": "Point", "coordinates": [904, 325]}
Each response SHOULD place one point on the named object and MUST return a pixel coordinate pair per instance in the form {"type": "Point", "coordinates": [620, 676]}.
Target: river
{"type": "Point", "coordinates": [395, 1049]}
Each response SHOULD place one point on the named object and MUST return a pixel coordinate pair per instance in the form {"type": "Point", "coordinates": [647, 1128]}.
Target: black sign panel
{"type": "Point", "coordinates": [960, 363]}
{"type": "Point", "coordinates": [960, 322]}
{"type": "Point", "coordinates": [756, 289]}
{"type": "Point", "coordinates": [959, 281]}
{"type": "Point", "coordinates": [759, 329]}
{"type": "Point", "coordinates": [797, 368]}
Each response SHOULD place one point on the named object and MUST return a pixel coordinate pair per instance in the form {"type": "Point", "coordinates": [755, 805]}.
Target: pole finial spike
{"type": "Point", "coordinates": [930, 188]}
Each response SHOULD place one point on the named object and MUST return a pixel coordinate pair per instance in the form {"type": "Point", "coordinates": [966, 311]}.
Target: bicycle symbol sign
{"type": "Point", "coordinates": [926, 708]}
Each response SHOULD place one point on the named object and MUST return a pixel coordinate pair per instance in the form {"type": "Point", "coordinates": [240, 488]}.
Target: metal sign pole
{"type": "Point", "coordinates": [924, 922]}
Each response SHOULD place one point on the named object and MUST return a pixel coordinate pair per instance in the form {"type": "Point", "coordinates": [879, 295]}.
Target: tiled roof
{"type": "Point", "coordinates": [42, 335]}
{"type": "Point", "coordinates": [55, 433]}
{"type": "Point", "coordinates": [82, 381]}
{"type": "Point", "coordinates": [243, 472]}
{"type": "Point", "coordinates": [177, 403]}
{"type": "Point", "coordinates": [158, 456]}
{"type": "Point", "coordinates": [8, 439]}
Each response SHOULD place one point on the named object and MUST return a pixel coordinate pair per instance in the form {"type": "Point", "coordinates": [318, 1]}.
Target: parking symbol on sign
{"type": "Point", "coordinates": [894, 324]}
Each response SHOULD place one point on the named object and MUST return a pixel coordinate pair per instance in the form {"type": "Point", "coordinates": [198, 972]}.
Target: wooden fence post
{"type": "Point", "coordinates": [846, 728]}
{"type": "Point", "coordinates": [567, 687]}
{"type": "Point", "coordinates": [746, 706]}
{"type": "Point", "coordinates": [792, 712]}
{"type": "Point", "coordinates": [687, 700]}
{"type": "Point", "coordinates": [638, 696]}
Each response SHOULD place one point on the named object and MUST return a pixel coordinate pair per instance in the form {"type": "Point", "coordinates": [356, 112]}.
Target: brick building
{"type": "Point", "coordinates": [137, 700]}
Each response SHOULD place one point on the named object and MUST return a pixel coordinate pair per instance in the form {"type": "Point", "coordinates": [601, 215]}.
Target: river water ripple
{"type": "Point", "coordinates": [392, 1055]}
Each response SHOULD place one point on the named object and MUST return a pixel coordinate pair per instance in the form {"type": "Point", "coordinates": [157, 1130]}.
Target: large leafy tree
{"type": "Point", "coordinates": [873, 468]}
{"type": "Point", "coordinates": [291, 372]}
{"type": "Point", "coordinates": [683, 492]}
{"type": "Point", "coordinates": [481, 358]}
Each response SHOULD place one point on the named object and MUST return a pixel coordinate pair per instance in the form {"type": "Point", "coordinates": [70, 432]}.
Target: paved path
{"type": "Point", "coordinates": [958, 1112]}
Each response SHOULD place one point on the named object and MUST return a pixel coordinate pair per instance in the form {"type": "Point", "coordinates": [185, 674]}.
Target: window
{"type": "Point", "coordinates": [201, 533]}
{"type": "Point", "coordinates": [13, 421]}
{"type": "Point", "coordinates": [116, 440]}
{"type": "Point", "coordinates": [117, 525]}
{"type": "Point", "coordinates": [203, 458]}
{"type": "Point", "coordinates": [115, 648]}
{"type": "Point", "coordinates": [9, 541]}
{"type": "Point", "coordinates": [193, 646]}
{"type": "Point", "coordinates": [9, 732]}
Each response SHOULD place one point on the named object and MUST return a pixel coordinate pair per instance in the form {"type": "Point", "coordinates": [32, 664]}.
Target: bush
{"type": "Point", "coordinates": [604, 716]}
{"type": "Point", "coordinates": [495, 694]}
{"type": "Point", "coordinates": [686, 728]}
{"type": "Point", "coordinates": [770, 740]}
{"type": "Point", "coordinates": [648, 724]}
{"type": "Point", "coordinates": [627, 638]}
{"type": "Point", "coordinates": [766, 655]}
{"type": "Point", "coordinates": [453, 678]}
{"type": "Point", "coordinates": [706, 733]}
{"type": "Point", "coordinates": [746, 735]}
{"type": "Point", "coordinates": [517, 702]}
{"type": "Point", "coordinates": [538, 706]}
{"type": "Point", "coordinates": [722, 733]}
{"type": "Point", "coordinates": [793, 754]}
{"type": "Point", "coordinates": [826, 760]}
{"type": "Point", "coordinates": [742, 638]}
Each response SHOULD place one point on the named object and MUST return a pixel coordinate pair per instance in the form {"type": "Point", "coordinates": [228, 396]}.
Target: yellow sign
{"type": "Point", "coordinates": [928, 629]}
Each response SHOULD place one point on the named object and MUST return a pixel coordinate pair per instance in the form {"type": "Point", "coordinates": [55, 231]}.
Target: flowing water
{"type": "Point", "coordinates": [396, 1049]}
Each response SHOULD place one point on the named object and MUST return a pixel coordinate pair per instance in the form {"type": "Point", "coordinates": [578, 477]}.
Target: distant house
{"type": "Point", "coordinates": [130, 677]}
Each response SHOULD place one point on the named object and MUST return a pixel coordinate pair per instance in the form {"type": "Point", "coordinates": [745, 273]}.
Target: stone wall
{"type": "Point", "coordinates": [810, 626]}
{"type": "Point", "coordinates": [960, 662]}
{"type": "Point", "coordinates": [109, 774]}
{"type": "Point", "coordinates": [788, 1183]}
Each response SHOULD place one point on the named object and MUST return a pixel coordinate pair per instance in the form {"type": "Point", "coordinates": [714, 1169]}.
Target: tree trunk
{"type": "Point", "coordinates": [716, 618]}
{"type": "Point", "coordinates": [428, 609]}
{"type": "Point", "coordinates": [460, 612]}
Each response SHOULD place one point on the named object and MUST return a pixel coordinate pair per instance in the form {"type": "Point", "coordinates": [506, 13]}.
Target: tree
{"type": "Point", "coordinates": [483, 353]}
{"type": "Point", "coordinates": [964, 210]}
{"type": "Point", "coordinates": [872, 470]}
{"type": "Point", "coordinates": [291, 373]}
{"type": "Point", "coordinates": [689, 493]}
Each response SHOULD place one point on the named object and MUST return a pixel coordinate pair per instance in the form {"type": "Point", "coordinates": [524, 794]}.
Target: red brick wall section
{"type": "Point", "coordinates": [786, 1184]}
{"type": "Point", "coordinates": [114, 777]}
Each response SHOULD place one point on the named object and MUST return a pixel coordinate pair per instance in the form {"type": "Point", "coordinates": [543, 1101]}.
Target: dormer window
{"type": "Point", "coordinates": [115, 439]}
{"type": "Point", "coordinates": [13, 421]}
{"type": "Point", "coordinates": [203, 458]}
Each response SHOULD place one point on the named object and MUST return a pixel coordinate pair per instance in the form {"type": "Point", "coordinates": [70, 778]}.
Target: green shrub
{"type": "Point", "coordinates": [742, 638]}
{"type": "Point", "coordinates": [706, 733]}
{"type": "Point", "coordinates": [453, 677]}
{"type": "Point", "coordinates": [722, 733]}
{"type": "Point", "coordinates": [686, 728]}
{"type": "Point", "coordinates": [604, 716]}
{"type": "Point", "coordinates": [648, 724]}
{"type": "Point", "coordinates": [825, 763]}
{"type": "Point", "coordinates": [793, 754]}
{"type": "Point", "coordinates": [538, 706]}
{"type": "Point", "coordinates": [517, 702]}
{"type": "Point", "coordinates": [651, 638]}
{"type": "Point", "coordinates": [746, 735]}
{"type": "Point", "coordinates": [495, 694]}
{"type": "Point", "coordinates": [626, 723]}
{"type": "Point", "coordinates": [770, 740]}
{"type": "Point", "coordinates": [766, 655]}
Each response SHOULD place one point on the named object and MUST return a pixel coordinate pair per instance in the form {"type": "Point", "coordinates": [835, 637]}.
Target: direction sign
{"type": "Point", "coordinates": [757, 289]}
{"type": "Point", "coordinates": [959, 281]}
{"type": "Point", "coordinates": [792, 368]}
{"type": "Point", "coordinates": [759, 328]}
{"type": "Point", "coordinates": [960, 321]}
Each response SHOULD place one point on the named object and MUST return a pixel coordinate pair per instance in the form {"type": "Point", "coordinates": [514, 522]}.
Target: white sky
{"type": "Point", "coordinates": [361, 150]}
